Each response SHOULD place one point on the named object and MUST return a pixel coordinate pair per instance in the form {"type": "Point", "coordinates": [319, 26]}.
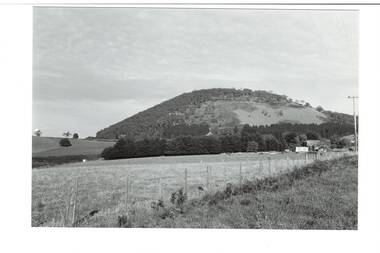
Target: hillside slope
{"type": "Point", "coordinates": [49, 146]}
{"type": "Point", "coordinates": [221, 110]}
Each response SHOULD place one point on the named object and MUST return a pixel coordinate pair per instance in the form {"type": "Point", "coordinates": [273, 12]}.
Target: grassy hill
{"type": "Point", "coordinates": [220, 109]}
{"type": "Point", "coordinates": [49, 146]}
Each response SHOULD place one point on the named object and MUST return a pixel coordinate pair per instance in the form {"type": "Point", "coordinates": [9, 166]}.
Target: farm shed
{"type": "Point", "coordinates": [302, 149]}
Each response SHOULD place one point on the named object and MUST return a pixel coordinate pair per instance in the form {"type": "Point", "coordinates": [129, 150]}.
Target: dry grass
{"type": "Point", "coordinates": [102, 184]}
{"type": "Point", "coordinates": [322, 196]}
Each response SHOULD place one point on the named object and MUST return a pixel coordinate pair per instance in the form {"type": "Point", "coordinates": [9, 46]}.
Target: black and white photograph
{"type": "Point", "coordinates": [201, 118]}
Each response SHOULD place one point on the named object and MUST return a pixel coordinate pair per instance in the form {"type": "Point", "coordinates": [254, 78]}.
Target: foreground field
{"type": "Point", "coordinates": [110, 186]}
{"type": "Point", "coordinates": [320, 196]}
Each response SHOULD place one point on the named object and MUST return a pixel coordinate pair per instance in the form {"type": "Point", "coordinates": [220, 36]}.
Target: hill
{"type": "Point", "coordinates": [49, 146]}
{"type": "Point", "coordinates": [217, 111]}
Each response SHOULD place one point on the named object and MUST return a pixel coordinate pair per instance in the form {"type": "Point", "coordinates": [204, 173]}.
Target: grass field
{"type": "Point", "coordinates": [49, 146]}
{"type": "Point", "coordinates": [46, 151]}
{"type": "Point", "coordinates": [103, 185]}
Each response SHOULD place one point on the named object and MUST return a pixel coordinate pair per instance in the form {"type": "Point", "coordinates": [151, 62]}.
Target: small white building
{"type": "Point", "coordinates": [302, 149]}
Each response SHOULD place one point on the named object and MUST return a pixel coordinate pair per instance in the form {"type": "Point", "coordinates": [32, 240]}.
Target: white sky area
{"type": "Point", "coordinates": [93, 67]}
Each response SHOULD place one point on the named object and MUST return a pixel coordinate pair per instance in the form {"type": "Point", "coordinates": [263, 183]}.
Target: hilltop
{"type": "Point", "coordinates": [218, 111]}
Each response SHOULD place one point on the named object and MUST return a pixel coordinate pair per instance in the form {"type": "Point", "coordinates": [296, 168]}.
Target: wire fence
{"type": "Point", "coordinates": [199, 179]}
{"type": "Point", "coordinates": [209, 178]}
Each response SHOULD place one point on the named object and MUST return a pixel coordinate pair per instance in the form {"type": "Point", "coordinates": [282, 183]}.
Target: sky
{"type": "Point", "coordinates": [93, 67]}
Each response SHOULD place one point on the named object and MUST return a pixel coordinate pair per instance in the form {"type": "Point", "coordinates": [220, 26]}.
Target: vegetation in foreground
{"type": "Point", "coordinates": [319, 196]}
{"type": "Point", "coordinates": [322, 195]}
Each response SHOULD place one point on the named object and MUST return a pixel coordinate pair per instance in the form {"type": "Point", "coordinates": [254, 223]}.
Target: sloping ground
{"type": "Point", "coordinates": [324, 199]}
{"type": "Point", "coordinates": [232, 113]}
{"type": "Point", "coordinates": [49, 146]}
{"type": "Point", "coordinates": [221, 109]}
{"type": "Point", "coordinates": [323, 195]}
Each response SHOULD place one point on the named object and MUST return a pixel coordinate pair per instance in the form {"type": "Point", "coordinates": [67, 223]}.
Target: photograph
{"type": "Point", "coordinates": [199, 118]}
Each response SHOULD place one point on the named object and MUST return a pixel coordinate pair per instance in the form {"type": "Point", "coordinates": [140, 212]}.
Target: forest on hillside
{"type": "Point", "coordinates": [153, 121]}
{"type": "Point", "coordinates": [249, 139]}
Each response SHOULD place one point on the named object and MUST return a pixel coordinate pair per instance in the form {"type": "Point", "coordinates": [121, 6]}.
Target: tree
{"type": "Point", "coordinates": [308, 104]}
{"type": "Point", "coordinates": [37, 132]}
{"type": "Point", "coordinates": [75, 136]}
{"type": "Point", "coordinates": [319, 108]}
{"type": "Point", "coordinates": [291, 138]}
{"type": "Point", "coordinates": [303, 137]}
{"type": "Point", "coordinates": [65, 142]}
{"type": "Point", "coordinates": [67, 134]}
{"type": "Point", "coordinates": [313, 136]}
{"type": "Point", "coordinates": [252, 146]}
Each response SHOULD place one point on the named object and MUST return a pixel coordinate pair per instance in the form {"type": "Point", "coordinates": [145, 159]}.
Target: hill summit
{"type": "Point", "coordinates": [217, 111]}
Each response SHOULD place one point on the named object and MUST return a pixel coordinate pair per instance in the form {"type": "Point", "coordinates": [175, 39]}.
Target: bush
{"type": "Point", "coordinates": [75, 136]}
{"type": "Point", "coordinates": [319, 109]}
{"type": "Point", "coordinates": [252, 146]}
{"type": "Point", "coordinates": [65, 142]}
{"type": "Point", "coordinates": [313, 136]}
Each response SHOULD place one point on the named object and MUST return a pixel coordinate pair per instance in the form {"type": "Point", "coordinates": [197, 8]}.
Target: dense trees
{"type": "Point", "coordinates": [184, 129]}
{"type": "Point", "coordinates": [250, 138]}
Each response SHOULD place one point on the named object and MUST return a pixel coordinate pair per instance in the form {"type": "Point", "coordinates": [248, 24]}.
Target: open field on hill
{"type": "Point", "coordinates": [109, 186]}
{"type": "Point", "coordinates": [46, 151]}
{"type": "Point", "coordinates": [49, 146]}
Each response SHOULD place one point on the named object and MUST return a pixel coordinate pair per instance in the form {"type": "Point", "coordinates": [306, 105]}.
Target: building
{"type": "Point", "coordinates": [316, 145]}
{"type": "Point", "coordinates": [302, 149]}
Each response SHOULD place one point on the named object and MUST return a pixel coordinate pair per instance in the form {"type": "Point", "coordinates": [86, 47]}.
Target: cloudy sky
{"type": "Point", "coordinates": [95, 67]}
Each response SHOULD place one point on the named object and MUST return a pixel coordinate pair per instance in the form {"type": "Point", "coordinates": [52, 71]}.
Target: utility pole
{"type": "Point", "coordinates": [356, 133]}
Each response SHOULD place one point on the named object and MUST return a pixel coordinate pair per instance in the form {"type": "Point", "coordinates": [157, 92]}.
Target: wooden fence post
{"type": "Point", "coordinates": [186, 181]}
{"type": "Point", "coordinates": [208, 179]}
{"type": "Point", "coordinates": [240, 175]}
{"type": "Point", "coordinates": [74, 216]}
{"type": "Point", "coordinates": [127, 194]}
{"type": "Point", "coordinates": [159, 188]}
{"type": "Point", "coordinates": [68, 205]}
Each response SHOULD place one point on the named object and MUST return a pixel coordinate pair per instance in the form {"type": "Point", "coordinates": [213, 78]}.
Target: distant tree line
{"type": "Point", "coordinates": [249, 139]}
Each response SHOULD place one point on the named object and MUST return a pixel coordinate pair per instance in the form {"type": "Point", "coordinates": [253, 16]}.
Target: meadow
{"type": "Point", "coordinates": [108, 187]}
{"type": "Point", "coordinates": [49, 147]}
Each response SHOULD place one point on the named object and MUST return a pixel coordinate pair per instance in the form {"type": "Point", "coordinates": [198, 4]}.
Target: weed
{"type": "Point", "coordinates": [123, 221]}
{"type": "Point", "coordinates": [245, 202]}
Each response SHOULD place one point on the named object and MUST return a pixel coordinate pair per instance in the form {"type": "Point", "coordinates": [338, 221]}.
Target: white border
{"type": "Point", "coordinates": [15, 184]}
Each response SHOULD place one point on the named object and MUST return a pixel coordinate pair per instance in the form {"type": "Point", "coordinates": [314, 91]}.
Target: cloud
{"type": "Point", "coordinates": [105, 56]}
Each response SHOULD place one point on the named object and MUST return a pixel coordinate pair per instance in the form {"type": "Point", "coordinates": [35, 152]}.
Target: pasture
{"type": "Point", "coordinates": [111, 186]}
{"type": "Point", "coordinates": [49, 146]}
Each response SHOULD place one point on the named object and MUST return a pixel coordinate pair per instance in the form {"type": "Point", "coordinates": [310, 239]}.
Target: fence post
{"type": "Point", "coordinates": [68, 205]}
{"type": "Point", "coordinates": [127, 194]}
{"type": "Point", "coordinates": [240, 175]}
{"type": "Point", "coordinates": [159, 188]}
{"type": "Point", "coordinates": [75, 202]}
{"type": "Point", "coordinates": [186, 181]}
{"type": "Point", "coordinates": [208, 179]}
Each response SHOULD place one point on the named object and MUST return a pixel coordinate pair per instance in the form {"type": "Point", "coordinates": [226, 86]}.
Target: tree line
{"type": "Point", "coordinates": [248, 139]}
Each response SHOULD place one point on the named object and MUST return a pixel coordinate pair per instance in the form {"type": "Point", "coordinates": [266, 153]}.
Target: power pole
{"type": "Point", "coordinates": [356, 133]}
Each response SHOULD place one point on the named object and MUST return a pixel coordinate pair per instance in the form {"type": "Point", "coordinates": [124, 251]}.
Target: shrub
{"type": "Point", "coordinates": [252, 146]}
{"type": "Point", "coordinates": [178, 199]}
{"type": "Point", "coordinates": [245, 202]}
{"type": "Point", "coordinates": [65, 142]}
{"type": "Point", "coordinates": [313, 136]}
{"type": "Point", "coordinates": [124, 222]}
{"type": "Point", "coordinates": [319, 109]}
